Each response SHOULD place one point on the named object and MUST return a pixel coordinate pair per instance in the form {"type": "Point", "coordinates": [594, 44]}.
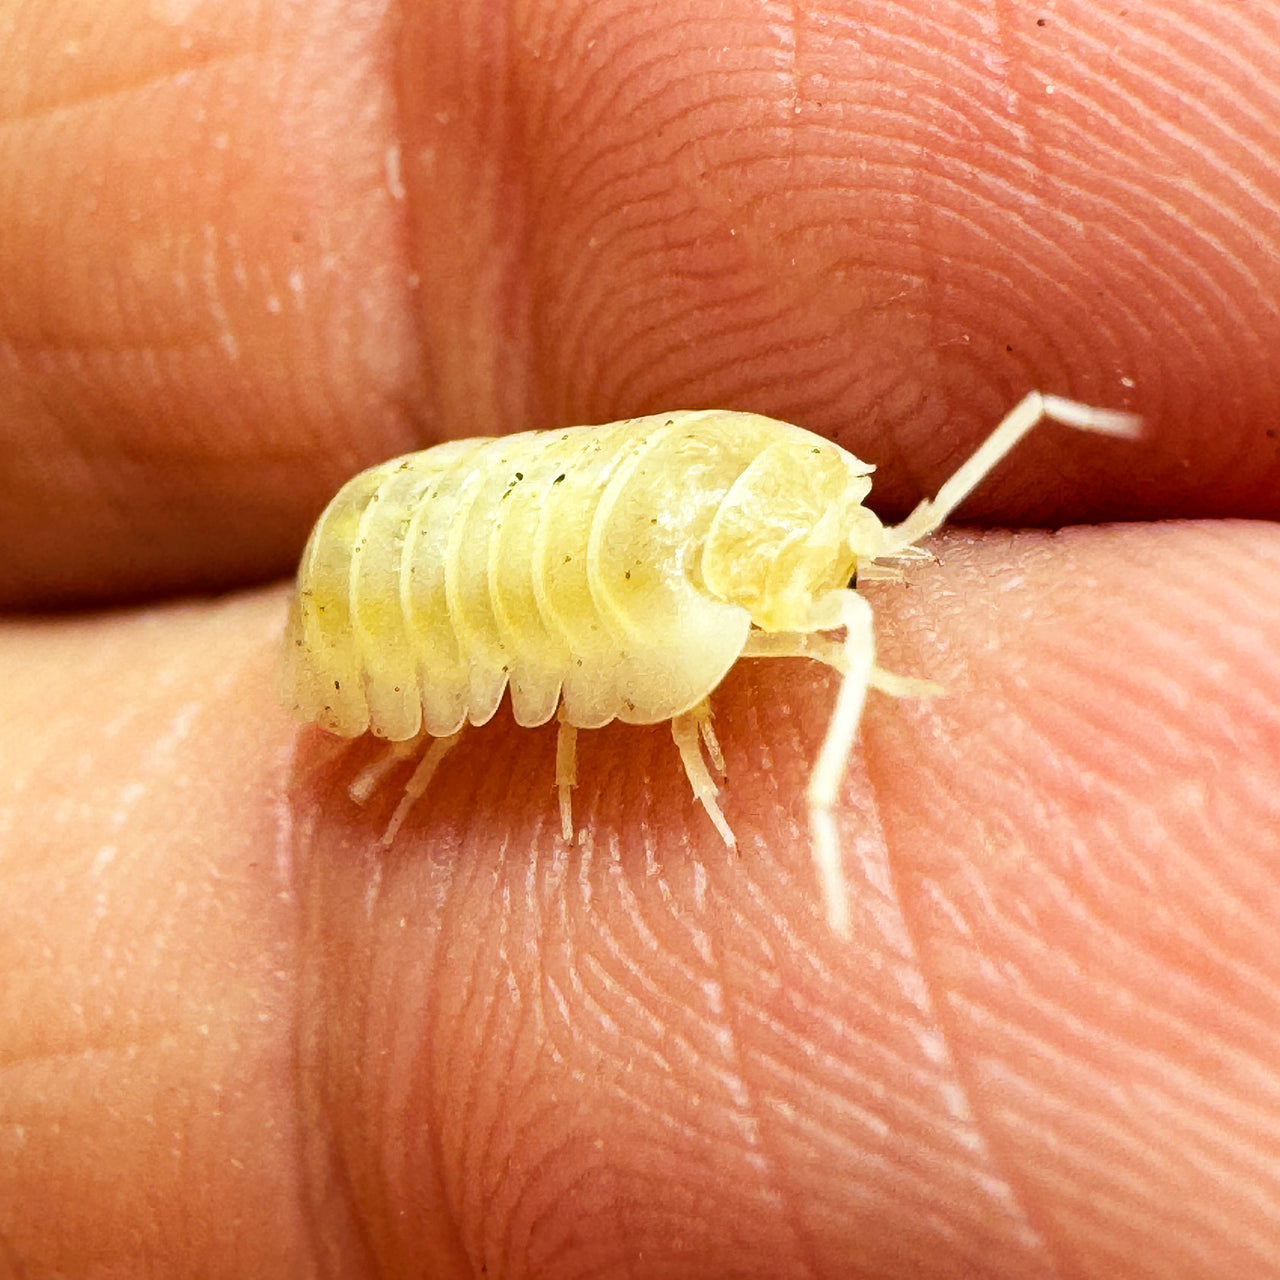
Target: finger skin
{"type": "Point", "coordinates": [246, 251]}
{"type": "Point", "coordinates": [1047, 1050]}
{"type": "Point", "coordinates": [148, 960]}
{"type": "Point", "coordinates": [205, 323]}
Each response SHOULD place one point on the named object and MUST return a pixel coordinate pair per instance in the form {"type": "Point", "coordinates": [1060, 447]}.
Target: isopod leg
{"type": "Point", "coordinates": [702, 714]}
{"type": "Point", "coordinates": [897, 686]}
{"type": "Point", "coordinates": [365, 783]}
{"type": "Point", "coordinates": [829, 768]}
{"type": "Point", "coordinates": [566, 774]}
{"type": "Point", "coordinates": [832, 653]}
{"type": "Point", "coordinates": [419, 781]}
{"type": "Point", "coordinates": [795, 644]}
{"type": "Point", "coordinates": [688, 733]}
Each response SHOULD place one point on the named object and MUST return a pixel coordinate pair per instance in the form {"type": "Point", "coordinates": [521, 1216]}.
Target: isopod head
{"type": "Point", "coordinates": [790, 531]}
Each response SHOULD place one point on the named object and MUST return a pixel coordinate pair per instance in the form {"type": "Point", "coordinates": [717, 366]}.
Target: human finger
{"type": "Point", "coordinates": [1044, 1045]}
{"type": "Point", "coordinates": [886, 227]}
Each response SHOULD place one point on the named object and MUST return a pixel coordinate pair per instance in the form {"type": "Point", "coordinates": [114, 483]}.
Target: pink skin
{"type": "Point", "coordinates": [238, 1038]}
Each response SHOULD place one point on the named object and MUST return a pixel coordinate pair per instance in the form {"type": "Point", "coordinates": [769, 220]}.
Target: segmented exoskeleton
{"type": "Point", "coordinates": [608, 572]}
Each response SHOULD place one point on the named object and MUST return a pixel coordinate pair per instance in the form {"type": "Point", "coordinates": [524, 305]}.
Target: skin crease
{"type": "Point", "coordinates": [239, 1038]}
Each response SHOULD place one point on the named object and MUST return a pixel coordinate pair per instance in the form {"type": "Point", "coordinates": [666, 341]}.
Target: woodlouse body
{"type": "Point", "coordinates": [607, 565]}
{"type": "Point", "coordinates": [608, 572]}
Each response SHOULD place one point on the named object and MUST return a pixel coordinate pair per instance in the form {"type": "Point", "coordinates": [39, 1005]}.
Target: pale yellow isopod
{"type": "Point", "coordinates": [610, 572]}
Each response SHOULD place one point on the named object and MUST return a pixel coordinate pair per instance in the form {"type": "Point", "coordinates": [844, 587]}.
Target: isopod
{"type": "Point", "coordinates": [610, 572]}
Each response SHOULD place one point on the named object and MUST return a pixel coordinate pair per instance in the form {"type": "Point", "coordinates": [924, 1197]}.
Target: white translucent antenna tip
{"type": "Point", "coordinates": [1107, 422]}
